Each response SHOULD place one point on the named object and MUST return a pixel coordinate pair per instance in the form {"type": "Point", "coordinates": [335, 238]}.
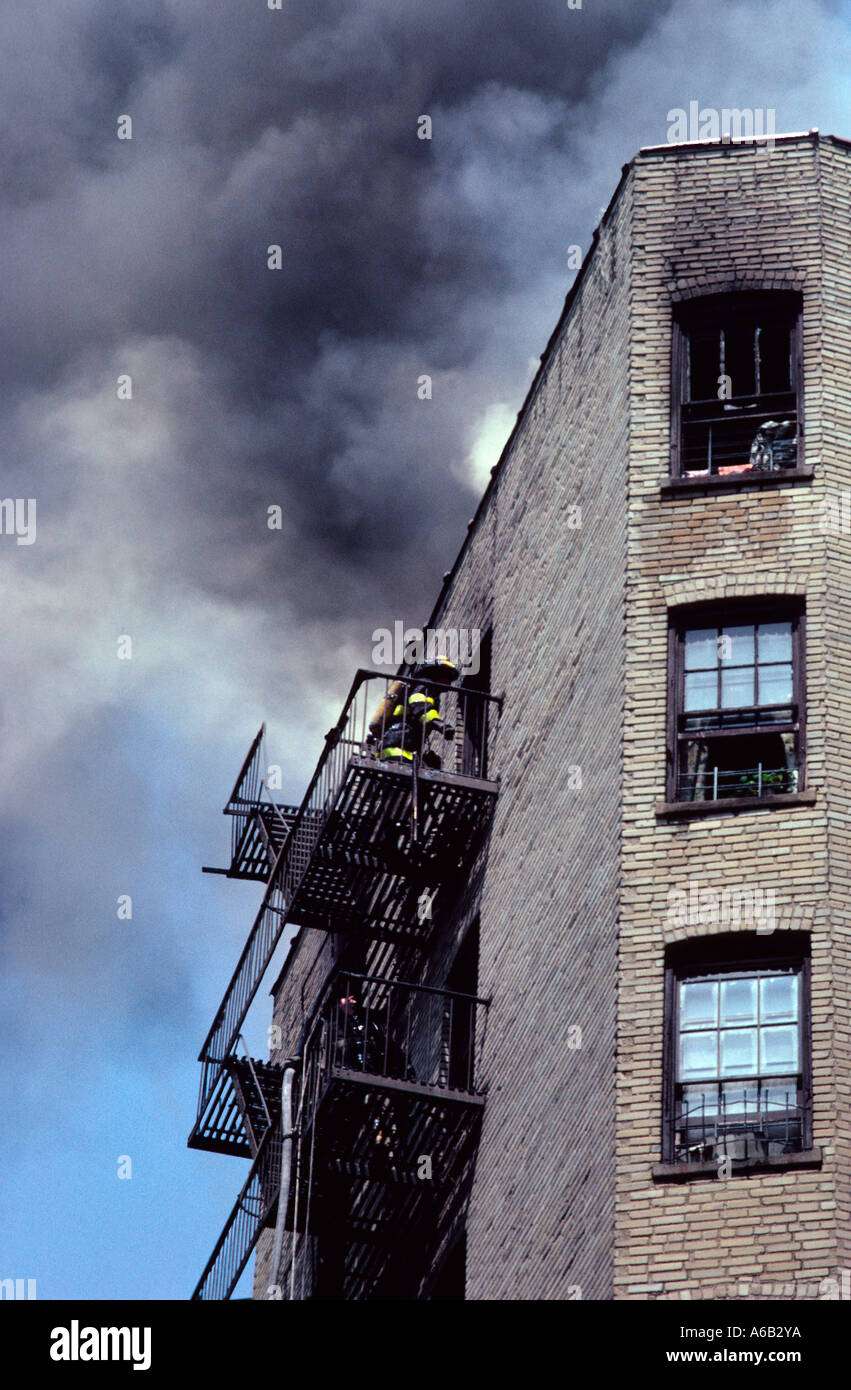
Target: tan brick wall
{"type": "Point", "coordinates": [704, 219]}
{"type": "Point", "coordinates": [835, 689]}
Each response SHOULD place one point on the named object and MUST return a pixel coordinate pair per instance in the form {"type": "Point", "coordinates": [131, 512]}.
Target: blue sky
{"type": "Point", "coordinates": [148, 257]}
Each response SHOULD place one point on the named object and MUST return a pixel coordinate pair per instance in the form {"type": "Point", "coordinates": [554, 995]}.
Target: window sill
{"type": "Point", "coordinates": [684, 1172]}
{"type": "Point", "coordinates": [671, 487]}
{"type": "Point", "coordinates": [691, 809]}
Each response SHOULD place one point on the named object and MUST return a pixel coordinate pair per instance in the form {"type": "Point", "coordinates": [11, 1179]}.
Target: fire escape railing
{"type": "Point", "coordinates": [377, 1027]}
{"type": "Point", "coordinates": [251, 1211]}
{"type": "Point", "coordinates": [243, 800]}
{"type": "Point", "coordinates": [259, 824]}
{"type": "Point", "coordinates": [464, 753]}
{"type": "Point", "coordinates": [255, 957]}
{"type": "Point", "coordinates": [422, 1040]}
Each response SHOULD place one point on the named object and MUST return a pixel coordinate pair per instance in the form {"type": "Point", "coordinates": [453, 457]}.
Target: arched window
{"type": "Point", "coordinates": [736, 385]}
{"type": "Point", "coordinates": [737, 1065]}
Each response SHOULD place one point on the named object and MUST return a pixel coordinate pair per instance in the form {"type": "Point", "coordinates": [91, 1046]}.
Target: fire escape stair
{"type": "Point", "coordinates": [257, 1089]}
{"type": "Point", "coordinates": [364, 1138]}
{"type": "Point", "coordinates": [345, 861]}
{"type": "Point", "coordinates": [253, 1210]}
{"type": "Point", "coordinates": [266, 828]}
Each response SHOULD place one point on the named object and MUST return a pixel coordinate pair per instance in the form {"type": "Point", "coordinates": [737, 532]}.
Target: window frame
{"type": "Point", "coordinates": [691, 313]}
{"type": "Point", "coordinates": [475, 713]}
{"type": "Point", "coordinates": [460, 1034]}
{"type": "Point", "coordinates": [732, 613]}
{"type": "Point", "coordinates": [733, 954]}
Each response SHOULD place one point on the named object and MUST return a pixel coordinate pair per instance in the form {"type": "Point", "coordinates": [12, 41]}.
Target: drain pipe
{"type": "Point", "coordinates": [287, 1132]}
{"type": "Point", "coordinates": [286, 1170]}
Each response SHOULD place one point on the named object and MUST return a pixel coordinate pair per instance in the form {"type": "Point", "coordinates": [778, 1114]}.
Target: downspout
{"type": "Point", "coordinates": [286, 1170]}
{"type": "Point", "coordinates": [287, 1132]}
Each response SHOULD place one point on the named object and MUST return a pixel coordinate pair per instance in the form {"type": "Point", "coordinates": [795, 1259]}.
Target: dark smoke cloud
{"type": "Point", "coordinates": [297, 127]}
{"type": "Point", "coordinates": [251, 388]}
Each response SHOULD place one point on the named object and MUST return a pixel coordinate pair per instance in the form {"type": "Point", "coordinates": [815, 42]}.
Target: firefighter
{"type": "Point", "coordinates": [361, 1042]}
{"type": "Point", "coordinates": [359, 1046]}
{"type": "Point", "coordinates": [409, 714]}
{"type": "Point", "coordinates": [383, 717]}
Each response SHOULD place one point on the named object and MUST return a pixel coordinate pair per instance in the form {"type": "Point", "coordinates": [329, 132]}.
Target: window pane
{"type": "Point", "coordinates": [698, 1101]}
{"type": "Point", "coordinates": [774, 357]}
{"type": "Point", "coordinates": [739, 360]}
{"type": "Point", "coordinates": [737, 646]}
{"type": "Point", "coordinates": [738, 1001]}
{"type": "Point", "coordinates": [705, 365]}
{"type": "Point", "coordinates": [701, 649]}
{"type": "Point", "coordinates": [699, 1004]}
{"type": "Point", "coordinates": [701, 690]}
{"type": "Point", "coordinates": [778, 1096]}
{"type": "Point", "coordinates": [740, 1098]}
{"type": "Point", "coordinates": [698, 1055]}
{"type": "Point", "coordinates": [778, 998]}
{"type": "Point", "coordinates": [737, 688]}
{"type": "Point", "coordinates": [738, 1052]}
{"type": "Point", "coordinates": [775, 641]}
{"type": "Point", "coordinates": [775, 685]}
{"type": "Point", "coordinates": [779, 1049]}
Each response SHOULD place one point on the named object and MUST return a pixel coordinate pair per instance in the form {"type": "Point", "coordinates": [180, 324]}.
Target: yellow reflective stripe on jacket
{"type": "Point", "coordinates": [396, 753]}
{"type": "Point", "coordinates": [419, 699]}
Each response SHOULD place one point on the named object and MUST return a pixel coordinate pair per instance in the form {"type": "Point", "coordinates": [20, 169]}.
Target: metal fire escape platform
{"type": "Point", "coordinates": [370, 1138]}
{"type": "Point", "coordinates": [246, 1101]}
{"type": "Point", "coordinates": [258, 827]}
{"type": "Point", "coordinates": [362, 1135]}
{"type": "Point", "coordinates": [384, 1087]}
{"type": "Point", "coordinates": [365, 876]}
{"type": "Point", "coordinates": [264, 834]}
{"type": "Point", "coordinates": [257, 1088]}
{"type": "Point", "coordinates": [370, 838]}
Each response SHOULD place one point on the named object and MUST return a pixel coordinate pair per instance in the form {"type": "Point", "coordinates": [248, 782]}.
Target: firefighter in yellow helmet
{"type": "Point", "coordinates": [409, 714]}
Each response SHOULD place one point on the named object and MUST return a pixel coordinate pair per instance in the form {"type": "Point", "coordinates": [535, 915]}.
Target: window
{"type": "Point", "coordinates": [738, 1065]}
{"type": "Point", "coordinates": [475, 711]}
{"type": "Point", "coordinates": [459, 1015]}
{"type": "Point", "coordinates": [736, 703]}
{"type": "Point", "coordinates": [736, 389]}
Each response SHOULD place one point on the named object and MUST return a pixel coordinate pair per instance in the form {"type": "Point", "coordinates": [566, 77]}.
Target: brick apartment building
{"type": "Point", "coordinates": [611, 1058]}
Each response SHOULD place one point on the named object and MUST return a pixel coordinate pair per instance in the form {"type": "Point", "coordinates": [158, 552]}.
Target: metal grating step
{"type": "Point", "coordinates": [266, 828]}
{"type": "Point", "coordinates": [257, 1088]}
{"type": "Point", "coordinates": [364, 875]}
{"type": "Point", "coordinates": [221, 1128]}
{"type": "Point", "coordinates": [367, 1147]}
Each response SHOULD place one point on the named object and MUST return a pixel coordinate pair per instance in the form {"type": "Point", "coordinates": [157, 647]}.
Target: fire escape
{"type": "Point", "coordinates": [388, 1079]}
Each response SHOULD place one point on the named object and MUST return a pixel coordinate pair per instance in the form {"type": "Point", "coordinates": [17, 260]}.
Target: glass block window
{"type": "Point", "coordinates": [739, 1069]}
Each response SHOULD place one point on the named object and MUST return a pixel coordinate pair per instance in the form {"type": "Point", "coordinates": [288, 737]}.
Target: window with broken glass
{"type": "Point", "coordinates": [736, 386]}
{"type": "Point", "coordinates": [736, 706]}
{"type": "Point", "coordinates": [740, 1080]}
